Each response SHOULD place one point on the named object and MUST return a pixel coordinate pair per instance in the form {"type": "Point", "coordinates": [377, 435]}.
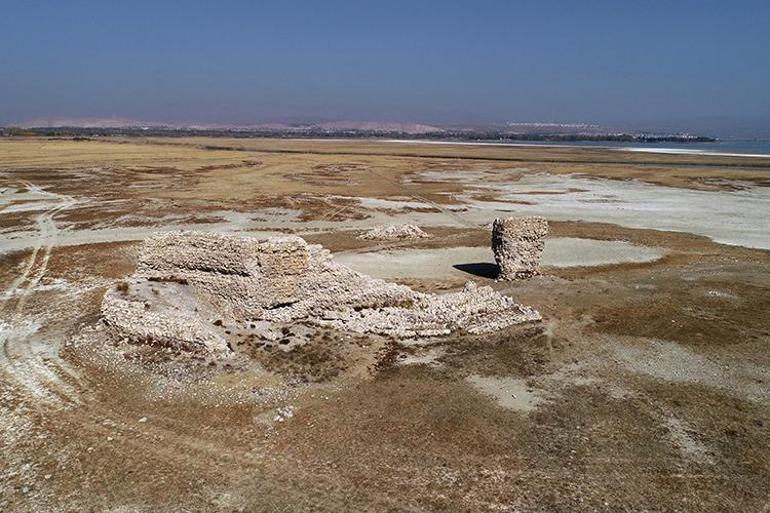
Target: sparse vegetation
{"type": "Point", "coordinates": [651, 376]}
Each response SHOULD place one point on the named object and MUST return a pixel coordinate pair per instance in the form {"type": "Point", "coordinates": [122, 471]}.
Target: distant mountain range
{"type": "Point", "coordinates": [87, 123]}
{"type": "Point", "coordinates": [366, 126]}
{"type": "Point", "coordinates": [513, 131]}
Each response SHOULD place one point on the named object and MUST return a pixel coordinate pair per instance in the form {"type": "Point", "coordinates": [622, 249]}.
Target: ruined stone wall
{"type": "Point", "coordinates": [186, 283]}
{"type": "Point", "coordinates": [395, 232]}
{"type": "Point", "coordinates": [518, 243]}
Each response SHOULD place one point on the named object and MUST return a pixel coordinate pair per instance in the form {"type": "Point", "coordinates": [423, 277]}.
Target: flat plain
{"type": "Point", "coordinates": [645, 388]}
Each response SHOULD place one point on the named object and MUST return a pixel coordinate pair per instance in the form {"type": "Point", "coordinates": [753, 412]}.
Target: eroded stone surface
{"type": "Point", "coordinates": [518, 243]}
{"type": "Point", "coordinates": [395, 232]}
{"type": "Point", "coordinates": [188, 286]}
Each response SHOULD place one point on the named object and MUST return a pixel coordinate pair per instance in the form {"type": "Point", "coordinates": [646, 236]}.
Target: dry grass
{"type": "Point", "coordinates": [414, 438]}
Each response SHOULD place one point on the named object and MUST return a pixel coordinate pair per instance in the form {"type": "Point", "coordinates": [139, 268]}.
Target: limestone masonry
{"type": "Point", "coordinates": [395, 232]}
{"type": "Point", "coordinates": [188, 285]}
{"type": "Point", "coordinates": [518, 243]}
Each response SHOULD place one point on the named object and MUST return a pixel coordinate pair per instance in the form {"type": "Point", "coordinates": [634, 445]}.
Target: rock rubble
{"type": "Point", "coordinates": [394, 232]}
{"type": "Point", "coordinates": [188, 287]}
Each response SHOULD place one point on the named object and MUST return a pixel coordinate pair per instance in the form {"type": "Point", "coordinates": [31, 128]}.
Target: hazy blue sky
{"type": "Point", "coordinates": [434, 61]}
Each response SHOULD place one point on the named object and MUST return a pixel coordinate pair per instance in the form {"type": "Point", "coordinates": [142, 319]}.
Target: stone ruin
{"type": "Point", "coordinates": [394, 232]}
{"type": "Point", "coordinates": [189, 286]}
{"type": "Point", "coordinates": [518, 243]}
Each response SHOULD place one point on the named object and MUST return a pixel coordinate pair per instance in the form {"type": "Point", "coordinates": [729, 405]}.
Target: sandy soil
{"type": "Point", "coordinates": [646, 388]}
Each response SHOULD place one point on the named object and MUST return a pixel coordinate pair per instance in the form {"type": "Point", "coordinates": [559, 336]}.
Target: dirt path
{"type": "Point", "coordinates": [28, 360]}
{"type": "Point", "coordinates": [36, 267]}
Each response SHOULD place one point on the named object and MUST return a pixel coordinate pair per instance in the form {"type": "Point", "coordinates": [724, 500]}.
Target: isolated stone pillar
{"type": "Point", "coordinates": [517, 243]}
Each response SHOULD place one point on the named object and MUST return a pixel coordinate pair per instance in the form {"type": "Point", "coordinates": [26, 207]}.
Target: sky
{"type": "Point", "coordinates": [691, 63]}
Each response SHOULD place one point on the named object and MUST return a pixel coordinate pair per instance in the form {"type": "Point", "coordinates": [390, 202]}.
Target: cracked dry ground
{"type": "Point", "coordinates": [645, 389]}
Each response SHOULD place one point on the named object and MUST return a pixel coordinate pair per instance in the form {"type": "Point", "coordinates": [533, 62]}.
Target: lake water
{"type": "Point", "coordinates": [757, 148]}
{"type": "Point", "coordinates": [738, 147]}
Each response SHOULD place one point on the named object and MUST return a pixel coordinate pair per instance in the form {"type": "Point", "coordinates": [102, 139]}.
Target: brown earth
{"type": "Point", "coordinates": [653, 378]}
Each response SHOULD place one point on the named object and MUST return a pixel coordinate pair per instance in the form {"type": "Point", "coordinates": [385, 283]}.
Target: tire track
{"type": "Point", "coordinates": [26, 361]}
